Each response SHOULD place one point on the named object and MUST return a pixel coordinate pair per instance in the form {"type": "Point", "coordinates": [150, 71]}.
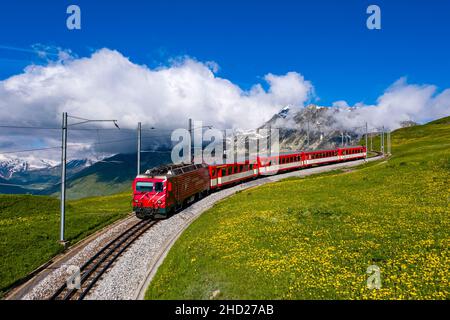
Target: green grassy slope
{"type": "Point", "coordinates": [29, 228]}
{"type": "Point", "coordinates": [314, 238]}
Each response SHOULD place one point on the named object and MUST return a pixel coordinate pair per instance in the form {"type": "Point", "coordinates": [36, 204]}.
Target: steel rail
{"type": "Point", "coordinates": [117, 245]}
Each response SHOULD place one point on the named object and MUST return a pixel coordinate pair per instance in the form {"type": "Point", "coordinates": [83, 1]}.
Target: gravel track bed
{"type": "Point", "coordinates": [57, 272]}
{"type": "Point", "coordinates": [133, 271]}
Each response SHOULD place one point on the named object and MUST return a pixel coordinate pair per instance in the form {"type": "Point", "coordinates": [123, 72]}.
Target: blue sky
{"type": "Point", "coordinates": [326, 41]}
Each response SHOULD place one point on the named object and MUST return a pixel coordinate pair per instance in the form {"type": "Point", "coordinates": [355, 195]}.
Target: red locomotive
{"type": "Point", "coordinates": [165, 189]}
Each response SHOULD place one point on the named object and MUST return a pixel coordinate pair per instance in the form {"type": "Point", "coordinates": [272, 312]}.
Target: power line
{"type": "Point", "coordinates": [28, 127]}
{"type": "Point", "coordinates": [29, 150]}
{"type": "Point", "coordinates": [90, 144]}
{"type": "Point", "coordinates": [152, 129]}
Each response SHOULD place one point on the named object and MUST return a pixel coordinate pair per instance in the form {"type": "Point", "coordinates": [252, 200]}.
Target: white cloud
{"type": "Point", "coordinates": [400, 102]}
{"type": "Point", "coordinates": [107, 85]}
{"type": "Point", "coordinates": [340, 104]}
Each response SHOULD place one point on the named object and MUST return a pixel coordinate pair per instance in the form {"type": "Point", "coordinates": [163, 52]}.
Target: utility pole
{"type": "Point", "coordinates": [367, 132]}
{"type": "Point", "coordinates": [64, 127]}
{"type": "Point", "coordinates": [382, 140]}
{"type": "Point", "coordinates": [63, 175]}
{"type": "Point", "coordinates": [139, 139]}
{"type": "Point", "coordinates": [269, 142]}
{"type": "Point", "coordinates": [224, 146]}
{"type": "Point", "coordinates": [308, 131]}
{"type": "Point", "coordinates": [389, 142]}
{"type": "Point", "coordinates": [191, 135]}
{"type": "Point", "coordinates": [342, 139]}
{"type": "Point", "coordinates": [371, 141]}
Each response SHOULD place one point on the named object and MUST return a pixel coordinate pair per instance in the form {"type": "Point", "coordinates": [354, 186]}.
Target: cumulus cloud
{"type": "Point", "coordinates": [340, 104]}
{"type": "Point", "coordinates": [399, 103]}
{"type": "Point", "coordinates": [107, 85]}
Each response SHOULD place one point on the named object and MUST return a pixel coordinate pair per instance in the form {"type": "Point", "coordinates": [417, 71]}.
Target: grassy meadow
{"type": "Point", "coordinates": [29, 228]}
{"type": "Point", "coordinates": [315, 237]}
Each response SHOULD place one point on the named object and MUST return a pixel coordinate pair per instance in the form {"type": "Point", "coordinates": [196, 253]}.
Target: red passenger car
{"type": "Point", "coordinates": [226, 174]}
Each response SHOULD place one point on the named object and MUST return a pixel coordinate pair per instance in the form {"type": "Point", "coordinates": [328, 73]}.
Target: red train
{"type": "Point", "coordinates": [166, 189]}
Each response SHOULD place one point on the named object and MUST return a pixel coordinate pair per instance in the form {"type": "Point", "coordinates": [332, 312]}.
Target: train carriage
{"type": "Point", "coordinates": [320, 157]}
{"type": "Point", "coordinates": [352, 153]}
{"type": "Point", "coordinates": [283, 162]}
{"type": "Point", "coordinates": [226, 174]}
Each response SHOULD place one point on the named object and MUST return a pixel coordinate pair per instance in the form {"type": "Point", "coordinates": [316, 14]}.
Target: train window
{"type": "Point", "coordinates": [241, 167]}
{"type": "Point", "coordinates": [230, 170]}
{"type": "Point", "coordinates": [224, 172]}
{"type": "Point", "coordinates": [142, 186]}
{"type": "Point", "coordinates": [159, 187]}
{"type": "Point", "coordinates": [213, 172]}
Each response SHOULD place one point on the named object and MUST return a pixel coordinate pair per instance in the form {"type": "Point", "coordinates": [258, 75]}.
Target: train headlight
{"type": "Point", "coordinates": [136, 201]}
{"type": "Point", "coordinates": [159, 201]}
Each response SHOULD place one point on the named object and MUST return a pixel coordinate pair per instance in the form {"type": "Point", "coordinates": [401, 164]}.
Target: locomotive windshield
{"type": "Point", "coordinates": [144, 186]}
{"type": "Point", "coordinates": [159, 187]}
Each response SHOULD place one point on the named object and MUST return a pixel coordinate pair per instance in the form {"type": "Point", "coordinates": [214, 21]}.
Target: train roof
{"type": "Point", "coordinates": [173, 169]}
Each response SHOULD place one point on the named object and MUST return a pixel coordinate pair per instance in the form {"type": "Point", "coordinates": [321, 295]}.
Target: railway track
{"type": "Point", "coordinates": [92, 270]}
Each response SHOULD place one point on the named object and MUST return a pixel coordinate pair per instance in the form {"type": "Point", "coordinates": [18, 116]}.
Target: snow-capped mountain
{"type": "Point", "coordinates": [10, 166]}
{"type": "Point", "coordinates": [13, 167]}
{"type": "Point", "coordinates": [284, 112]}
{"type": "Point", "coordinates": [313, 127]}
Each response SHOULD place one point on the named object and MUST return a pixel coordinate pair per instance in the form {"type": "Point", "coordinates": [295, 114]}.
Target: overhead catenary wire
{"type": "Point", "coordinates": [73, 144]}
{"type": "Point", "coordinates": [152, 129]}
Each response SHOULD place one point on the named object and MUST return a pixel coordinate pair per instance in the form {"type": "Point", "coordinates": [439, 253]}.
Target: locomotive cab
{"type": "Point", "coordinates": [168, 188]}
{"type": "Point", "coordinates": [149, 197]}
